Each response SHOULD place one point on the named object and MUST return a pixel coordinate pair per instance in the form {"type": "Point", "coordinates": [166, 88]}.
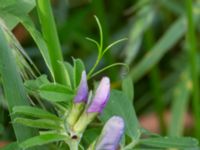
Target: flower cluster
{"type": "Point", "coordinates": [83, 113]}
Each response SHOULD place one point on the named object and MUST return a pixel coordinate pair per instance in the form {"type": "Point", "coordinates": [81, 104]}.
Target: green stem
{"type": "Point", "coordinates": [73, 144]}
{"type": "Point", "coordinates": [99, 9]}
{"type": "Point", "coordinates": [193, 64]}
{"type": "Point", "coordinates": [108, 67]}
{"type": "Point", "coordinates": [51, 37]}
{"type": "Point", "coordinates": [95, 65]}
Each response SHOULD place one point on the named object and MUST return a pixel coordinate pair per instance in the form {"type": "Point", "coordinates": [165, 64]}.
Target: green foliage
{"type": "Point", "coordinates": [101, 50]}
{"type": "Point", "coordinates": [78, 69]}
{"type": "Point", "coordinates": [145, 19]}
{"type": "Point", "coordinates": [38, 123]}
{"type": "Point", "coordinates": [165, 142]}
{"type": "Point", "coordinates": [37, 37]}
{"type": "Point", "coordinates": [172, 35]}
{"type": "Point", "coordinates": [12, 10]}
{"type": "Point", "coordinates": [181, 98]}
{"type": "Point", "coordinates": [165, 63]}
{"type": "Point", "coordinates": [42, 139]}
{"type": "Point", "coordinates": [13, 86]}
{"type": "Point", "coordinates": [55, 92]}
{"type": "Point", "coordinates": [127, 88]}
{"type": "Point", "coordinates": [34, 112]}
{"type": "Point", "coordinates": [51, 38]}
{"type": "Point", "coordinates": [121, 105]}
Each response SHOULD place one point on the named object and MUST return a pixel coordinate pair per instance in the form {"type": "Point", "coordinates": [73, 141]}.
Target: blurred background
{"type": "Point", "coordinates": [157, 53]}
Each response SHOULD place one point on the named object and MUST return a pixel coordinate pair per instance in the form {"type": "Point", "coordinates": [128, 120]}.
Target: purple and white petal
{"type": "Point", "coordinates": [82, 93]}
{"type": "Point", "coordinates": [101, 97]}
{"type": "Point", "coordinates": [111, 134]}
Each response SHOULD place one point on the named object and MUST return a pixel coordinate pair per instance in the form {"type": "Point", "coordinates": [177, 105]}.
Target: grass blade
{"type": "Point", "coordinates": [191, 41]}
{"type": "Point", "coordinates": [171, 37]}
{"type": "Point", "coordinates": [179, 105]}
{"type": "Point", "coordinates": [13, 86]}
{"type": "Point", "coordinates": [51, 37]}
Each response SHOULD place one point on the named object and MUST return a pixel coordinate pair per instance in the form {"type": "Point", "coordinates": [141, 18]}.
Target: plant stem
{"type": "Point", "coordinates": [95, 65]}
{"type": "Point", "coordinates": [99, 9]}
{"type": "Point", "coordinates": [191, 41]}
{"type": "Point", "coordinates": [51, 37]}
{"type": "Point", "coordinates": [73, 144]}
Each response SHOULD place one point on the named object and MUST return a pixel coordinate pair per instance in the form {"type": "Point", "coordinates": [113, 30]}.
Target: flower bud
{"type": "Point", "coordinates": [79, 100]}
{"type": "Point", "coordinates": [97, 105]}
{"type": "Point", "coordinates": [111, 134]}
{"type": "Point", "coordinates": [82, 93]}
{"type": "Point", "coordinates": [101, 96]}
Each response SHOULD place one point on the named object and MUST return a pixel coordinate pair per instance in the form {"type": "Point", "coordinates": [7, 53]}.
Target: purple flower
{"type": "Point", "coordinates": [82, 93]}
{"type": "Point", "coordinates": [111, 134]}
{"type": "Point", "coordinates": [101, 96]}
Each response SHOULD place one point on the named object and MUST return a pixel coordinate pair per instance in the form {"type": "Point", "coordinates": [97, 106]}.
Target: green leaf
{"type": "Point", "coordinates": [119, 104]}
{"type": "Point", "coordinates": [42, 139]}
{"type": "Point", "coordinates": [10, 9]}
{"type": "Point", "coordinates": [78, 69]}
{"type": "Point", "coordinates": [141, 23]}
{"type": "Point", "coordinates": [113, 44]}
{"type": "Point", "coordinates": [69, 71]}
{"type": "Point", "coordinates": [39, 123]}
{"type": "Point", "coordinates": [106, 68]}
{"type": "Point", "coordinates": [166, 42]}
{"type": "Point", "coordinates": [13, 86]}
{"type": "Point", "coordinates": [12, 13]}
{"type": "Point", "coordinates": [174, 6]}
{"type": "Point", "coordinates": [127, 87]}
{"type": "Point", "coordinates": [34, 85]}
{"type": "Point", "coordinates": [170, 142]}
{"type": "Point", "coordinates": [34, 112]}
{"type": "Point", "coordinates": [26, 65]}
{"type": "Point", "coordinates": [179, 104]}
{"type": "Point", "coordinates": [55, 92]}
{"type": "Point", "coordinates": [37, 37]}
{"type": "Point", "coordinates": [50, 36]}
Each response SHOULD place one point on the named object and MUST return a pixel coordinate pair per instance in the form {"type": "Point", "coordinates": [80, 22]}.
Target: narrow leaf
{"type": "Point", "coordinates": [34, 85]}
{"type": "Point", "coordinates": [78, 69]}
{"type": "Point", "coordinates": [42, 139]}
{"type": "Point", "coordinates": [179, 104]}
{"type": "Point", "coordinates": [56, 92]}
{"type": "Point", "coordinates": [170, 142]}
{"type": "Point", "coordinates": [167, 41]}
{"type": "Point", "coordinates": [9, 10]}
{"type": "Point", "coordinates": [39, 123]}
{"type": "Point", "coordinates": [13, 87]}
{"type": "Point", "coordinates": [34, 112]}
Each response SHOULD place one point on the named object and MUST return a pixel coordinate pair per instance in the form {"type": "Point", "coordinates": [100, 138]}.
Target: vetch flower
{"type": "Point", "coordinates": [101, 96]}
{"type": "Point", "coordinates": [95, 107]}
{"type": "Point", "coordinates": [79, 101]}
{"type": "Point", "coordinates": [82, 93]}
{"type": "Point", "coordinates": [111, 134]}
